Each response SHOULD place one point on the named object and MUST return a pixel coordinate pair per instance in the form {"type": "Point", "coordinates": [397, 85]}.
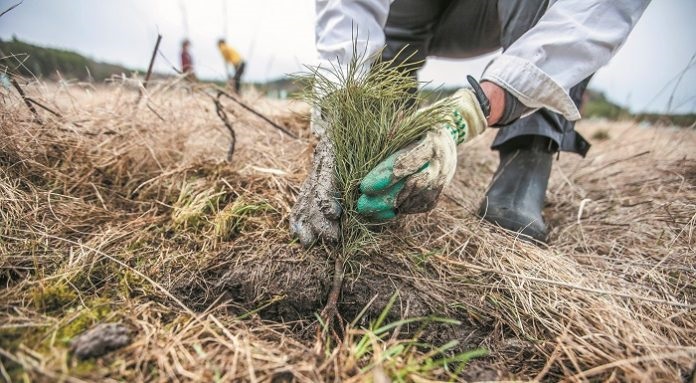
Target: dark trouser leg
{"type": "Point", "coordinates": [515, 197]}
{"type": "Point", "coordinates": [467, 28]}
{"type": "Point", "coordinates": [415, 30]}
{"type": "Point", "coordinates": [238, 72]}
{"type": "Point", "coordinates": [409, 29]}
{"type": "Point", "coordinates": [463, 29]}
{"type": "Point", "coordinates": [548, 124]}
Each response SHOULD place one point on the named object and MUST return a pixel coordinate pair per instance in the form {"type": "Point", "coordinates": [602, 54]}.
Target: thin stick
{"type": "Point", "coordinates": [155, 112]}
{"type": "Point", "coordinates": [26, 100]}
{"type": "Point", "coordinates": [331, 308]}
{"type": "Point", "coordinates": [44, 107]}
{"type": "Point", "coordinates": [149, 68]}
{"type": "Point", "coordinates": [152, 61]}
{"type": "Point", "coordinates": [220, 110]}
{"type": "Point", "coordinates": [250, 109]}
{"type": "Point", "coordinates": [11, 8]}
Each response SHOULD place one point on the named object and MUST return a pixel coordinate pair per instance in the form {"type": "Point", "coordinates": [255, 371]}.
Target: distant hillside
{"type": "Point", "coordinates": [279, 88]}
{"type": "Point", "coordinates": [45, 62]}
{"type": "Point", "coordinates": [596, 105]}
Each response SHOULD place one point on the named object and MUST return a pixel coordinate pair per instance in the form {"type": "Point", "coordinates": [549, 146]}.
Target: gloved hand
{"type": "Point", "coordinates": [317, 211]}
{"type": "Point", "coordinates": [411, 180]}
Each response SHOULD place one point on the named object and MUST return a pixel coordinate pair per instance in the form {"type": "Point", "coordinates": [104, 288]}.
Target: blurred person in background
{"type": "Point", "coordinates": [187, 60]}
{"type": "Point", "coordinates": [531, 92]}
{"type": "Point", "coordinates": [234, 59]}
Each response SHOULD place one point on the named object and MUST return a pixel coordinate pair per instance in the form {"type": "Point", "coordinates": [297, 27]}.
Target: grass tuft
{"type": "Point", "coordinates": [233, 218]}
{"type": "Point", "coordinates": [192, 208]}
{"type": "Point", "coordinates": [380, 351]}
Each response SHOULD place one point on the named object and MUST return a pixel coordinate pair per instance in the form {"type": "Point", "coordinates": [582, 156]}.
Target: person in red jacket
{"type": "Point", "coordinates": [187, 60]}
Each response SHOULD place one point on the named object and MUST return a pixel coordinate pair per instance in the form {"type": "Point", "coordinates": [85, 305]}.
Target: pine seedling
{"type": "Point", "coordinates": [369, 114]}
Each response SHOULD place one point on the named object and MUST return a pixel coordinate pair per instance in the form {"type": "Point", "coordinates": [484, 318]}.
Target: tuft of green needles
{"type": "Point", "coordinates": [369, 109]}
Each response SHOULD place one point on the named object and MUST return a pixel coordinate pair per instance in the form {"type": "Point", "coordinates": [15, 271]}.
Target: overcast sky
{"type": "Point", "coordinates": [277, 37]}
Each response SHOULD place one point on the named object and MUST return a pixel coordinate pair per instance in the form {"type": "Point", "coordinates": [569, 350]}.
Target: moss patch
{"type": "Point", "coordinates": [53, 297]}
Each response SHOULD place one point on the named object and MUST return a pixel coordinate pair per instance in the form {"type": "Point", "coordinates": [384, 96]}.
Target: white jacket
{"type": "Point", "coordinates": [571, 41]}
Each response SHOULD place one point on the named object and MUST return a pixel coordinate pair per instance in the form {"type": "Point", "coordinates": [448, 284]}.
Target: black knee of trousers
{"type": "Point", "coordinates": [549, 124]}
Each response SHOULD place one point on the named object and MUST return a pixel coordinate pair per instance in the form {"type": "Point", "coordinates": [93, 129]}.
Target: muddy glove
{"type": "Point", "coordinates": [317, 210]}
{"type": "Point", "coordinates": [411, 180]}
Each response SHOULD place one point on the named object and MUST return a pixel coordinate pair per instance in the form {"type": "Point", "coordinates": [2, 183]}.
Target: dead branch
{"type": "Point", "coordinates": [11, 8]}
{"type": "Point", "coordinates": [152, 61]}
{"type": "Point", "coordinates": [250, 109]}
{"type": "Point", "coordinates": [26, 100]}
{"type": "Point", "coordinates": [220, 110]}
{"type": "Point", "coordinates": [149, 68]}
{"type": "Point", "coordinates": [44, 107]}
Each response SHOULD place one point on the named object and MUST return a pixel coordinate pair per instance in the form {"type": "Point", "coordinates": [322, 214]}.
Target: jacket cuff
{"type": "Point", "coordinates": [530, 85]}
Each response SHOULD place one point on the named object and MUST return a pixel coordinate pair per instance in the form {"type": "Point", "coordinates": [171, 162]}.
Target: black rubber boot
{"type": "Point", "coordinates": [516, 194]}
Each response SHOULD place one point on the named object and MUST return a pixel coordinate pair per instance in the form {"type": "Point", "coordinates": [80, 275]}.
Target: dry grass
{"type": "Point", "coordinates": [112, 214]}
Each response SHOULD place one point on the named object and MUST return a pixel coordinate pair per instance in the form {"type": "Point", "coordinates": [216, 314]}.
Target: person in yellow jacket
{"type": "Point", "coordinates": [233, 58]}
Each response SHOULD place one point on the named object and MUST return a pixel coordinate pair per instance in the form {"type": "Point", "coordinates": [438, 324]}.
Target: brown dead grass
{"type": "Point", "coordinates": [91, 231]}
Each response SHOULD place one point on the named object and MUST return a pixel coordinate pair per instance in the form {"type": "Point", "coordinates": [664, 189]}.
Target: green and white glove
{"type": "Point", "coordinates": [411, 180]}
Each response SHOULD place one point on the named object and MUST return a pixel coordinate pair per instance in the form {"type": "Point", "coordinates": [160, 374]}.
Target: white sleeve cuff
{"type": "Point", "coordinates": [532, 86]}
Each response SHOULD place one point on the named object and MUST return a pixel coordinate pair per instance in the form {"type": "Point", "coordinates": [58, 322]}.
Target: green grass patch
{"type": "Point", "coordinates": [192, 209]}
{"type": "Point", "coordinates": [406, 359]}
{"type": "Point", "coordinates": [234, 217]}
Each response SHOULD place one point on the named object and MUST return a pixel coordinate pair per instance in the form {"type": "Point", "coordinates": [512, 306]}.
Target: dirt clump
{"type": "Point", "coordinates": [100, 340]}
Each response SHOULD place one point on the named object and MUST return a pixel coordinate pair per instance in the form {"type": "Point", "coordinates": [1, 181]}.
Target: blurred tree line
{"type": "Point", "coordinates": [31, 60]}
{"type": "Point", "coordinates": [597, 105]}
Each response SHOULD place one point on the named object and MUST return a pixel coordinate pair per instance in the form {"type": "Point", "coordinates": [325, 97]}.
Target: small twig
{"type": "Point", "coordinates": [679, 79]}
{"type": "Point", "coordinates": [155, 112]}
{"type": "Point", "coordinates": [174, 68]}
{"type": "Point", "coordinates": [53, 112]}
{"type": "Point", "coordinates": [26, 100]}
{"type": "Point", "coordinates": [152, 61]}
{"type": "Point", "coordinates": [149, 68]}
{"type": "Point", "coordinates": [44, 107]}
{"type": "Point", "coordinates": [250, 109]}
{"type": "Point", "coordinates": [331, 309]}
{"type": "Point", "coordinates": [582, 207]}
{"type": "Point", "coordinates": [11, 8]}
{"type": "Point", "coordinates": [220, 110]}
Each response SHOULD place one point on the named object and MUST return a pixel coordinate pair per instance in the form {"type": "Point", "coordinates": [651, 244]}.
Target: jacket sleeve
{"type": "Point", "coordinates": [571, 41]}
{"type": "Point", "coordinates": [340, 22]}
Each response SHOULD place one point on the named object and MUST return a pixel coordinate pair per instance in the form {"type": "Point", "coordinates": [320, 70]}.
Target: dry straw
{"type": "Point", "coordinates": [89, 233]}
